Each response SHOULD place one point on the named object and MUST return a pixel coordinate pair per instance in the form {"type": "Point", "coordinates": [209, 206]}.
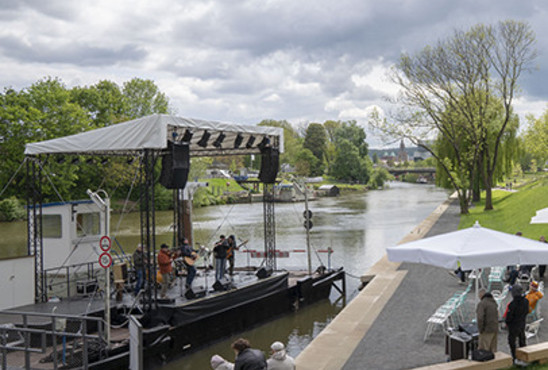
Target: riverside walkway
{"type": "Point", "coordinates": [384, 326]}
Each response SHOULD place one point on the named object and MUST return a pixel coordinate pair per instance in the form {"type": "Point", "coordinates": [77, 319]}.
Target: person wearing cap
{"type": "Point", "coordinates": [219, 363]}
{"type": "Point", "coordinates": [279, 359]}
{"type": "Point", "coordinates": [247, 358]}
{"type": "Point", "coordinates": [220, 257]}
{"type": "Point", "coordinates": [164, 263]}
{"type": "Point", "coordinates": [515, 319]}
{"type": "Point", "coordinates": [533, 296]}
{"type": "Point", "coordinates": [139, 266]}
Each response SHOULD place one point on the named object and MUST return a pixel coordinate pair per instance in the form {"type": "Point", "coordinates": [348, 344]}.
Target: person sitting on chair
{"type": "Point", "coordinates": [189, 257]}
{"type": "Point", "coordinates": [533, 296]}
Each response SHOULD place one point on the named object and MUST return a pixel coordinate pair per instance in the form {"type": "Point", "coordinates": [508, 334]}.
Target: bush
{"type": "Point", "coordinates": [11, 210]}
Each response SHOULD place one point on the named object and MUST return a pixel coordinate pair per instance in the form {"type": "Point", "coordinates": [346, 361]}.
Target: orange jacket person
{"type": "Point", "coordinates": [533, 296]}
{"type": "Point", "coordinates": [164, 263]}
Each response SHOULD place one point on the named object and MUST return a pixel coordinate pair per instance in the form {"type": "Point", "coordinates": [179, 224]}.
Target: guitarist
{"type": "Point", "coordinates": [230, 253]}
{"type": "Point", "coordinates": [189, 257]}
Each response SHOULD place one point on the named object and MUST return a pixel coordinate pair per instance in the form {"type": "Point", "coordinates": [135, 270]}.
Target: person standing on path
{"type": "Point", "coordinates": [542, 268]}
{"type": "Point", "coordinates": [515, 319]}
{"type": "Point", "coordinates": [487, 316]}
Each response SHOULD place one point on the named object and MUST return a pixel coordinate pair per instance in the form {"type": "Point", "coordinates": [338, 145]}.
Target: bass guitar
{"type": "Point", "coordinates": [230, 251]}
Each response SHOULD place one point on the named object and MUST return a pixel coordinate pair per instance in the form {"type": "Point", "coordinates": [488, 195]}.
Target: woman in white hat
{"type": "Point", "coordinates": [219, 363]}
{"type": "Point", "coordinates": [279, 359]}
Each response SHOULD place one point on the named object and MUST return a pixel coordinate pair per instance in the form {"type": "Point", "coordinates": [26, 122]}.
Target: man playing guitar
{"type": "Point", "coordinates": [232, 247]}
{"type": "Point", "coordinates": [189, 258]}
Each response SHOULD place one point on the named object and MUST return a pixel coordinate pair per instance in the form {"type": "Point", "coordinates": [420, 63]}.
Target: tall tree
{"type": "Point", "coordinates": [103, 101]}
{"type": "Point", "coordinates": [535, 139]}
{"type": "Point", "coordinates": [143, 97]}
{"type": "Point", "coordinates": [315, 140]}
{"type": "Point", "coordinates": [449, 90]}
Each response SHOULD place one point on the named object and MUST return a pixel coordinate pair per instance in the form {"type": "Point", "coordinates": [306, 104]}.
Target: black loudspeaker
{"type": "Point", "coordinates": [175, 166]}
{"type": "Point", "coordinates": [221, 285]}
{"type": "Point", "coordinates": [263, 272]}
{"type": "Point", "coordinates": [195, 293]}
{"type": "Point", "coordinates": [270, 162]}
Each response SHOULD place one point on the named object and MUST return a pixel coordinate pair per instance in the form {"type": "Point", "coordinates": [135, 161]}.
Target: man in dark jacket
{"type": "Point", "coordinates": [515, 319]}
{"type": "Point", "coordinates": [247, 358]}
{"type": "Point", "coordinates": [487, 315]}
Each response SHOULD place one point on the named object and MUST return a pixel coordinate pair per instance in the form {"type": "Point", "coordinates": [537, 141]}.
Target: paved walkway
{"type": "Point", "coordinates": [384, 326]}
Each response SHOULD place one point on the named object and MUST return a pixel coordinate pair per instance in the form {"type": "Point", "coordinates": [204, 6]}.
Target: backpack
{"type": "Point", "coordinates": [482, 355]}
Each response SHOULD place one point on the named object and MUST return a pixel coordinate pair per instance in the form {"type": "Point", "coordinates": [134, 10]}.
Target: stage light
{"type": "Point", "coordinates": [264, 143]}
{"type": "Point", "coordinates": [130, 160]}
{"type": "Point", "coordinates": [89, 161]}
{"type": "Point", "coordinates": [250, 142]}
{"type": "Point", "coordinates": [219, 141]}
{"type": "Point", "coordinates": [238, 141]}
{"type": "Point", "coordinates": [75, 160]}
{"type": "Point", "coordinates": [61, 159]}
{"type": "Point", "coordinates": [187, 136]}
{"type": "Point", "coordinates": [204, 139]}
{"type": "Point", "coordinates": [104, 161]}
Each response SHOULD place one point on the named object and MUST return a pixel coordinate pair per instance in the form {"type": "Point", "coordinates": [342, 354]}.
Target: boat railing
{"type": "Point", "coordinates": [70, 280]}
{"type": "Point", "coordinates": [64, 340]}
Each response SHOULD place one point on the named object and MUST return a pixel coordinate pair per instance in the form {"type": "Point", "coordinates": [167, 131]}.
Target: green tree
{"type": "Point", "coordinates": [457, 83]}
{"type": "Point", "coordinates": [535, 139]}
{"type": "Point", "coordinates": [143, 98]}
{"type": "Point", "coordinates": [305, 163]}
{"type": "Point", "coordinates": [103, 101]}
{"type": "Point", "coordinates": [349, 165]}
{"type": "Point", "coordinates": [315, 140]}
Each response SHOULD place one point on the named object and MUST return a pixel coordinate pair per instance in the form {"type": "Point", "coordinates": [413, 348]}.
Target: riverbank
{"type": "Point", "coordinates": [383, 328]}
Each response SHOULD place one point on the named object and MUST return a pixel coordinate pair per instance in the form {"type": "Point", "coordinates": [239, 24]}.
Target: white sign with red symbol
{"type": "Point", "coordinates": [105, 259]}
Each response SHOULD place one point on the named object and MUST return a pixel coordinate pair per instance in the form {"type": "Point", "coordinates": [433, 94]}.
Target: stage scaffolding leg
{"type": "Point", "coordinates": [269, 226]}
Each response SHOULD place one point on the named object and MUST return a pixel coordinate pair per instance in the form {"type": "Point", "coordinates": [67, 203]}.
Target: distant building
{"type": "Point", "coordinates": [402, 154]}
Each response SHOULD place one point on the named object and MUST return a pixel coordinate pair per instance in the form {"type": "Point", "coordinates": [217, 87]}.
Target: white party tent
{"type": "Point", "coordinates": [541, 217]}
{"type": "Point", "coordinates": [474, 247]}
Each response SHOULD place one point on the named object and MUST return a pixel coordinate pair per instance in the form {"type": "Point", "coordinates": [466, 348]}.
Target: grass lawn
{"type": "Point", "coordinates": [513, 210]}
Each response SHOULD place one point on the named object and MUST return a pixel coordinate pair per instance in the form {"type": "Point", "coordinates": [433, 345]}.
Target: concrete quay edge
{"type": "Point", "coordinates": [332, 348]}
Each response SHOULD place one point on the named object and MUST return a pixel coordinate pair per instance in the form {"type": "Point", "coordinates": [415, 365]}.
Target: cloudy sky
{"type": "Point", "coordinates": [245, 61]}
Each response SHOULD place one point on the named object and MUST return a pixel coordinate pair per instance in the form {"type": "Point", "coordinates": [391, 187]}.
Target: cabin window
{"type": "Point", "coordinates": [87, 224]}
{"type": "Point", "coordinates": [51, 226]}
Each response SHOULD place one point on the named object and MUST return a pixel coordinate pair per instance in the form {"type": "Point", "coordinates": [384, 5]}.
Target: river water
{"type": "Point", "coordinates": [358, 227]}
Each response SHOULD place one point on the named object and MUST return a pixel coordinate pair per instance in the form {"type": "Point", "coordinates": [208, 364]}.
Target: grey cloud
{"type": "Point", "coordinates": [70, 53]}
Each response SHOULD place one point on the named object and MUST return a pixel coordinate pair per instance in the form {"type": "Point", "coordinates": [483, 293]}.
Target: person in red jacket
{"type": "Point", "coordinates": [164, 263]}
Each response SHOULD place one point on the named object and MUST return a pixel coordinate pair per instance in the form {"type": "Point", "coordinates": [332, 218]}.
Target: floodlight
{"type": "Point", "coordinates": [238, 141]}
{"type": "Point", "coordinates": [187, 136]}
{"type": "Point", "coordinates": [250, 142]}
{"type": "Point", "coordinates": [205, 137]}
{"type": "Point", "coordinates": [219, 141]}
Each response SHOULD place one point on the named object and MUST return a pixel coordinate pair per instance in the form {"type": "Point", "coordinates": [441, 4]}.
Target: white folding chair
{"type": "Point", "coordinates": [531, 329]}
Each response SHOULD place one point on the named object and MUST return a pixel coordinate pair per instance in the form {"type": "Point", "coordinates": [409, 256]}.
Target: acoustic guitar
{"type": "Point", "coordinates": [229, 252]}
{"type": "Point", "coordinates": [190, 260]}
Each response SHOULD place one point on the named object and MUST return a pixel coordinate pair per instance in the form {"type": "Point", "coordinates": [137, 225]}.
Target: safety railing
{"type": "Point", "coordinates": [66, 341]}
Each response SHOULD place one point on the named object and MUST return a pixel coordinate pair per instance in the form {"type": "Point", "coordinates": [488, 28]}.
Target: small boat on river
{"type": "Point", "coordinates": [81, 326]}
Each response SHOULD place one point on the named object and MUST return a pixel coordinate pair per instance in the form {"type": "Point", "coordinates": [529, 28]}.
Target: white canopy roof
{"type": "Point", "coordinates": [475, 247]}
{"type": "Point", "coordinates": [154, 132]}
{"type": "Point", "coordinates": [541, 217]}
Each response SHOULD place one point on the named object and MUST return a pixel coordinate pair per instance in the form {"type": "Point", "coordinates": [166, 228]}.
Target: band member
{"type": "Point", "coordinates": [189, 257]}
{"type": "Point", "coordinates": [219, 252]}
{"type": "Point", "coordinates": [232, 247]}
{"type": "Point", "coordinates": [139, 265]}
{"type": "Point", "coordinates": [164, 263]}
